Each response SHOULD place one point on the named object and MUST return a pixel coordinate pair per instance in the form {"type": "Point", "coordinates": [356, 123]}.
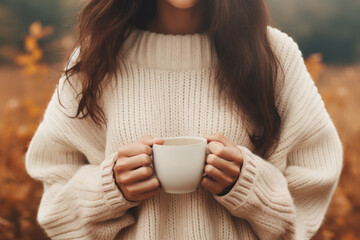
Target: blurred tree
{"type": "Point", "coordinates": [330, 27]}
{"type": "Point", "coordinates": [17, 15]}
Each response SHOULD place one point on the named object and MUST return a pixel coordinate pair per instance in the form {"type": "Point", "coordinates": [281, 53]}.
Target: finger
{"type": "Point", "coordinates": [211, 186]}
{"type": "Point", "coordinates": [130, 163]}
{"type": "Point", "coordinates": [220, 138]}
{"type": "Point", "coordinates": [149, 194]}
{"type": "Point", "coordinates": [143, 186]}
{"type": "Point", "coordinates": [229, 168]}
{"type": "Point", "coordinates": [227, 153]}
{"type": "Point", "coordinates": [133, 149]}
{"type": "Point", "coordinates": [136, 175]}
{"type": "Point", "coordinates": [218, 175]}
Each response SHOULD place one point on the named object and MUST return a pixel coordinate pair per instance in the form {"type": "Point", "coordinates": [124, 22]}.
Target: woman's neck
{"type": "Point", "coordinates": [172, 20]}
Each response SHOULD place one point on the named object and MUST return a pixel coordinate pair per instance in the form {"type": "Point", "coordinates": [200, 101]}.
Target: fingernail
{"type": "Point", "coordinates": [217, 144]}
{"type": "Point", "coordinates": [158, 139]}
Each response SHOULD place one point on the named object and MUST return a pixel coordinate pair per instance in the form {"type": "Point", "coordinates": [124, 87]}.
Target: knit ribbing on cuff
{"type": "Point", "coordinates": [113, 195]}
{"type": "Point", "coordinates": [243, 186]}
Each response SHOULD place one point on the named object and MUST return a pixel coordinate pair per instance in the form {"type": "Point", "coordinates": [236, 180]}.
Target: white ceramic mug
{"type": "Point", "coordinates": [179, 163]}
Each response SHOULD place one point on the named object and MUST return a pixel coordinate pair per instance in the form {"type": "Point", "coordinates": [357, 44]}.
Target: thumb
{"type": "Point", "coordinates": [159, 141]}
{"type": "Point", "coordinates": [150, 140]}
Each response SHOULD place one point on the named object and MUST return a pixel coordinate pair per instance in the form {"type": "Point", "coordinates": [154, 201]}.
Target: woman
{"type": "Point", "coordinates": [144, 70]}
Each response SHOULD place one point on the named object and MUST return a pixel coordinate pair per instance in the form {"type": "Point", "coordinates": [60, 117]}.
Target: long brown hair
{"type": "Point", "coordinates": [246, 71]}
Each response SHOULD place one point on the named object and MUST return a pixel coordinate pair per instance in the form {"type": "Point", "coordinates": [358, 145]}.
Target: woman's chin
{"type": "Point", "coordinates": [183, 4]}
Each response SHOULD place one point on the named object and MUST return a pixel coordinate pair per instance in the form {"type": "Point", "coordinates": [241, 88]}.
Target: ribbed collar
{"type": "Point", "coordinates": [168, 51]}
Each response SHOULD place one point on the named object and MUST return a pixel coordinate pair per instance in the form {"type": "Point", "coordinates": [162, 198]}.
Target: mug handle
{"type": "Point", "coordinates": [207, 153]}
{"type": "Point", "coordinates": [152, 163]}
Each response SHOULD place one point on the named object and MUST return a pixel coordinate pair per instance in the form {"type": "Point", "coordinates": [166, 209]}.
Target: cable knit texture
{"type": "Point", "coordinates": [165, 87]}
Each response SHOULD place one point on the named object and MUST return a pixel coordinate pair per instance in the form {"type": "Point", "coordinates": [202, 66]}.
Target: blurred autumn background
{"type": "Point", "coordinates": [36, 37]}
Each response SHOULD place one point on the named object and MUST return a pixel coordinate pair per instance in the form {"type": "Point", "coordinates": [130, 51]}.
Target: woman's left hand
{"type": "Point", "coordinates": [223, 164]}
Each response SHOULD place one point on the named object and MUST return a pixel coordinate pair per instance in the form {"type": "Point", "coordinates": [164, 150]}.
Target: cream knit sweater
{"type": "Point", "coordinates": [166, 89]}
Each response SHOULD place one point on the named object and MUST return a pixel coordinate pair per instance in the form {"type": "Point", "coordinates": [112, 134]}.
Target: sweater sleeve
{"type": "Point", "coordinates": [286, 195]}
{"type": "Point", "coordinates": [80, 199]}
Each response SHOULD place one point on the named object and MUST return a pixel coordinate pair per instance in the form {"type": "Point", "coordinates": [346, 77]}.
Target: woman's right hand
{"type": "Point", "coordinates": [132, 171]}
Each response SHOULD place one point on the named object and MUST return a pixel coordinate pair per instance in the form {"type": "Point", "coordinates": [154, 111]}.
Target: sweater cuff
{"type": "Point", "coordinates": [243, 186]}
{"type": "Point", "coordinates": [113, 195]}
